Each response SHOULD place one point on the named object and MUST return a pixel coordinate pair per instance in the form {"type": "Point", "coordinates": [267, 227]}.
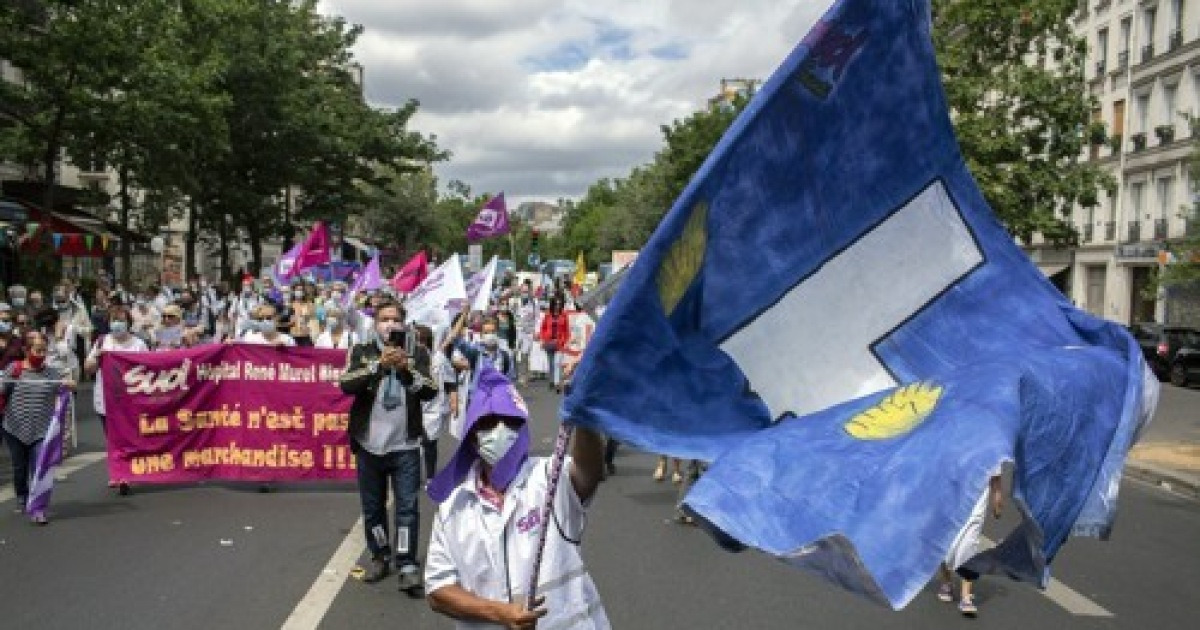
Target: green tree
{"type": "Point", "coordinates": [157, 108]}
{"type": "Point", "coordinates": [45, 41]}
{"type": "Point", "coordinates": [1013, 72]}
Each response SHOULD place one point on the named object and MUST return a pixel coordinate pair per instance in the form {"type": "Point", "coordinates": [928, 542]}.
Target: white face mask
{"type": "Point", "coordinates": [493, 445]}
{"type": "Point", "coordinates": [490, 341]}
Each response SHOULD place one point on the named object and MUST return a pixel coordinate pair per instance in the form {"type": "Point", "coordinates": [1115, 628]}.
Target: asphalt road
{"type": "Point", "coordinates": [225, 556]}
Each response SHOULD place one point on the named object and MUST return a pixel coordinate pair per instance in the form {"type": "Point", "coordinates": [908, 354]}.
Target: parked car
{"type": "Point", "coordinates": [1160, 344]}
{"type": "Point", "coordinates": [1185, 365]}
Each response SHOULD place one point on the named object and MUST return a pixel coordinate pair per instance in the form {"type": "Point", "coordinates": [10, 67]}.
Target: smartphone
{"type": "Point", "coordinates": [398, 338]}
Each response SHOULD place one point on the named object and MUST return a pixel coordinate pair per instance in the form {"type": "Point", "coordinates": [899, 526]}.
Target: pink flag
{"type": "Point", "coordinates": [412, 274]}
{"type": "Point", "coordinates": [492, 220]}
{"type": "Point", "coordinates": [312, 252]}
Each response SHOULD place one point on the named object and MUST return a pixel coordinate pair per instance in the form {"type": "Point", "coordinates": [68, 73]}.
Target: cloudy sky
{"type": "Point", "coordinates": [540, 98]}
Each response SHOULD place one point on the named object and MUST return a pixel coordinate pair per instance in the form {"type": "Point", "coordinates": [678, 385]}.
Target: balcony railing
{"type": "Point", "coordinates": [1100, 66]}
{"type": "Point", "coordinates": [1133, 232]}
{"type": "Point", "coordinates": [1160, 229]}
{"type": "Point", "coordinates": [1139, 141]}
{"type": "Point", "coordinates": [1122, 60]}
{"type": "Point", "coordinates": [1087, 233]}
{"type": "Point", "coordinates": [1147, 52]}
{"type": "Point", "coordinates": [1175, 40]}
{"type": "Point", "coordinates": [1110, 231]}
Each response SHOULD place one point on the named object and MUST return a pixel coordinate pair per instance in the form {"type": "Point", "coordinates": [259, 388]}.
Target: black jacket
{"type": "Point", "coordinates": [362, 377]}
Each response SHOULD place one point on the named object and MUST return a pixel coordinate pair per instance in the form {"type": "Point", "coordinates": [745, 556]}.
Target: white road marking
{"type": "Point", "coordinates": [875, 284]}
{"type": "Point", "coordinates": [67, 468]}
{"type": "Point", "coordinates": [309, 612]}
{"type": "Point", "coordinates": [1066, 597]}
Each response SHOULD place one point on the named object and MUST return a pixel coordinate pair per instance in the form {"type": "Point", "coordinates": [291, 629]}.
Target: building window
{"type": "Point", "coordinates": [1176, 34]}
{"type": "Point", "coordinates": [1101, 51]}
{"type": "Point", "coordinates": [1142, 113]}
{"type": "Point", "coordinates": [1123, 51]}
{"type": "Point", "coordinates": [1170, 94]}
{"type": "Point", "coordinates": [1135, 199]}
{"type": "Point", "coordinates": [1166, 196]}
{"type": "Point", "coordinates": [1148, 18]}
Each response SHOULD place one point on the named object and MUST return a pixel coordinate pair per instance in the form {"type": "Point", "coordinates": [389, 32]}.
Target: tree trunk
{"type": "Point", "coordinates": [226, 272]}
{"type": "Point", "coordinates": [54, 146]}
{"type": "Point", "coordinates": [126, 244]}
{"type": "Point", "coordinates": [256, 258]}
{"type": "Point", "coordinates": [189, 256]}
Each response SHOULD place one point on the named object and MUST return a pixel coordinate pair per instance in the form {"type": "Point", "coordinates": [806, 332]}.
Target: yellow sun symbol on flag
{"type": "Point", "coordinates": [896, 414]}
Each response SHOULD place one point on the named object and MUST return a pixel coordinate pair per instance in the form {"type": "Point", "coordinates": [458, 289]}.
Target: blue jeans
{"type": "Point", "coordinates": [403, 470]}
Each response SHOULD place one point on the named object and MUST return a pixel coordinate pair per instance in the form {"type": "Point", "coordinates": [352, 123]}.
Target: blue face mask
{"type": "Point", "coordinates": [119, 328]}
{"type": "Point", "coordinates": [5, 328]}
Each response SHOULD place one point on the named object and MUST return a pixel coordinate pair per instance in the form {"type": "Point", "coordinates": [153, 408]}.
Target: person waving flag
{"type": "Point", "coordinates": [837, 321]}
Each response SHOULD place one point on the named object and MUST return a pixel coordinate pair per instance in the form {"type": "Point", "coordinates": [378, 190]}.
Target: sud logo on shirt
{"type": "Point", "coordinates": [530, 521]}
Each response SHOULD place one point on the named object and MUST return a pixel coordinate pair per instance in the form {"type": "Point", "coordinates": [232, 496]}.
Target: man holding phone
{"type": "Point", "coordinates": [388, 375]}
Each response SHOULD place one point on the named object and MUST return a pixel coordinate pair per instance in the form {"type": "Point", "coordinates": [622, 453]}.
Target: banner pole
{"type": "Point", "coordinates": [556, 470]}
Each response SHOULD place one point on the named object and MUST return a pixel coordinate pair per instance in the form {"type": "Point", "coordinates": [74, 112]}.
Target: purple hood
{"type": "Point", "coordinates": [494, 395]}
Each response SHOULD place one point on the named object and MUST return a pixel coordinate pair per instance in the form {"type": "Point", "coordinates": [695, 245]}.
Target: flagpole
{"type": "Point", "coordinates": [556, 470]}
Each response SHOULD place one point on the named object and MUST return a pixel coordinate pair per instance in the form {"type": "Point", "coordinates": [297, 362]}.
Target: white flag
{"type": "Point", "coordinates": [433, 300]}
{"type": "Point", "coordinates": [479, 286]}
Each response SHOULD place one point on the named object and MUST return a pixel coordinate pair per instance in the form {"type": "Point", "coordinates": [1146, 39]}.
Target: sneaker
{"type": "Point", "coordinates": [967, 606]}
{"type": "Point", "coordinates": [39, 519]}
{"type": "Point", "coordinates": [20, 507]}
{"type": "Point", "coordinates": [611, 468]}
{"type": "Point", "coordinates": [661, 471]}
{"type": "Point", "coordinates": [945, 593]}
{"type": "Point", "coordinates": [377, 569]}
{"type": "Point", "coordinates": [410, 577]}
{"type": "Point", "coordinates": [123, 489]}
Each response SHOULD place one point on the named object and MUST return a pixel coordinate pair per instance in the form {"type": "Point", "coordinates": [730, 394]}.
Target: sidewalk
{"type": "Point", "coordinates": [1168, 454]}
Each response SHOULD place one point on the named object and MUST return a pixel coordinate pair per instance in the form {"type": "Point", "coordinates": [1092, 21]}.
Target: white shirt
{"type": "Point", "coordinates": [387, 429]}
{"type": "Point", "coordinates": [256, 338]}
{"type": "Point", "coordinates": [107, 344]}
{"type": "Point", "coordinates": [490, 552]}
{"type": "Point", "coordinates": [436, 411]}
{"type": "Point", "coordinates": [344, 341]}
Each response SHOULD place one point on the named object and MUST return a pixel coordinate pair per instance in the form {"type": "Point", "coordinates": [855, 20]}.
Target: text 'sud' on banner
{"type": "Point", "coordinates": [252, 413]}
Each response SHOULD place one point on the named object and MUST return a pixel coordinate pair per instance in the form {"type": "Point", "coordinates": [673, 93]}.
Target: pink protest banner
{"type": "Point", "coordinates": [234, 412]}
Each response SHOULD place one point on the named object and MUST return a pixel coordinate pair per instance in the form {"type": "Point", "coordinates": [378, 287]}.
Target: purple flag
{"type": "Point", "coordinates": [492, 220]}
{"type": "Point", "coordinates": [48, 458]}
{"type": "Point", "coordinates": [286, 263]}
{"type": "Point", "coordinates": [369, 280]}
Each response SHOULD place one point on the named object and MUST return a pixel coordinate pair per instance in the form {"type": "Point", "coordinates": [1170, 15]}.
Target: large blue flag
{"type": "Point", "coordinates": [832, 315]}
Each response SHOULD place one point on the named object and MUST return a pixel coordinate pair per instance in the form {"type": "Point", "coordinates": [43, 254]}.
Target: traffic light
{"type": "Point", "coordinates": [533, 241]}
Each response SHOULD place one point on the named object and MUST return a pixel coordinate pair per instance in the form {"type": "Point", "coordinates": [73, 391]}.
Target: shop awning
{"type": "Point", "coordinates": [81, 237]}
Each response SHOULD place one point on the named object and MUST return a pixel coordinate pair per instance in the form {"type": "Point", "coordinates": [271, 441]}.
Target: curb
{"type": "Point", "coordinates": [1187, 484]}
